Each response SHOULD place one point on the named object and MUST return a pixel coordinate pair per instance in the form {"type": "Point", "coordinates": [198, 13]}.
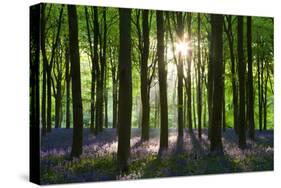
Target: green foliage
{"type": "Point", "coordinates": [262, 50]}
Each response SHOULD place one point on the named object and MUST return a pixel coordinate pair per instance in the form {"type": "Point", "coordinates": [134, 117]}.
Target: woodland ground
{"type": "Point", "coordinates": [187, 157]}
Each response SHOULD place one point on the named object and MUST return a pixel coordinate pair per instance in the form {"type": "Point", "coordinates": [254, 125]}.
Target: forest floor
{"type": "Point", "coordinates": [187, 157]}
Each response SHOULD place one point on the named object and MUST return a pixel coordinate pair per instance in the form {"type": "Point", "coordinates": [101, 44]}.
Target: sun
{"type": "Point", "coordinates": [182, 47]}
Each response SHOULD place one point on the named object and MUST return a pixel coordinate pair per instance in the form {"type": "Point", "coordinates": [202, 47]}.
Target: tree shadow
{"type": "Point", "coordinates": [196, 144]}
{"type": "Point", "coordinates": [179, 146]}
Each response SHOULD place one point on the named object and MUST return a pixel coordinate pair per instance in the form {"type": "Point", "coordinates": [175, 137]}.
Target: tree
{"type": "Point", "coordinates": [217, 43]}
{"type": "Point", "coordinates": [259, 88]}
{"type": "Point", "coordinates": [93, 76]}
{"type": "Point", "coordinates": [210, 83]}
{"type": "Point", "coordinates": [199, 90]}
{"type": "Point", "coordinates": [230, 38]}
{"type": "Point", "coordinates": [250, 80]}
{"type": "Point", "coordinates": [180, 34]}
{"type": "Point", "coordinates": [49, 72]}
{"type": "Point", "coordinates": [114, 75]}
{"type": "Point", "coordinates": [144, 76]}
{"type": "Point", "coordinates": [162, 82]}
{"type": "Point", "coordinates": [77, 139]}
{"type": "Point", "coordinates": [188, 80]}
{"type": "Point", "coordinates": [67, 83]}
{"type": "Point", "coordinates": [45, 64]}
{"type": "Point", "coordinates": [99, 87]}
{"type": "Point", "coordinates": [104, 73]}
{"type": "Point", "coordinates": [57, 79]}
{"type": "Point", "coordinates": [265, 98]}
{"type": "Point", "coordinates": [241, 75]}
{"type": "Point", "coordinates": [125, 89]}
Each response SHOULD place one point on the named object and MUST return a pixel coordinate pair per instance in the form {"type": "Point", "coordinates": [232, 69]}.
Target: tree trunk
{"type": "Point", "coordinates": [194, 99]}
{"type": "Point", "coordinates": [259, 92]}
{"type": "Point", "coordinates": [105, 100]}
{"type": "Point", "coordinates": [144, 77]}
{"type": "Point", "coordinates": [125, 90]}
{"type": "Point", "coordinates": [156, 110]}
{"type": "Point", "coordinates": [49, 75]}
{"type": "Point", "coordinates": [104, 71]}
{"type": "Point", "coordinates": [189, 99]}
{"type": "Point", "coordinates": [67, 82]}
{"type": "Point", "coordinates": [210, 81]}
{"type": "Point", "coordinates": [265, 99]}
{"type": "Point", "coordinates": [162, 82]}
{"type": "Point", "coordinates": [223, 100]}
{"type": "Point", "coordinates": [241, 69]}
{"type": "Point", "coordinates": [99, 94]}
{"type": "Point", "coordinates": [114, 96]}
{"type": "Point", "coordinates": [264, 106]}
{"type": "Point", "coordinates": [49, 100]}
{"type": "Point", "coordinates": [223, 112]}
{"type": "Point", "coordinates": [77, 139]}
{"type": "Point", "coordinates": [180, 34]}
{"type": "Point", "coordinates": [45, 64]}
{"type": "Point", "coordinates": [199, 90]}
{"type": "Point", "coordinates": [217, 44]}
{"type": "Point", "coordinates": [57, 88]}
{"type": "Point", "coordinates": [93, 76]}
{"type": "Point", "coordinates": [58, 102]}
{"type": "Point", "coordinates": [230, 39]}
{"type": "Point", "coordinates": [262, 88]}
{"type": "Point", "coordinates": [250, 81]}
{"type": "Point", "coordinates": [180, 96]}
{"type": "Point", "coordinates": [184, 110]}
{"type": "Point", "coordinates": [205, 111]}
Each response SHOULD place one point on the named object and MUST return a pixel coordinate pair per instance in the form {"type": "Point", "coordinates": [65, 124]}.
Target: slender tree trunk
{"type": "Point", "coordinates": [259, 92]}
{"type": "Point", "coordinates": [58, 103]}
{"type": "Point", "coordinates": [67, 82]}
{"type": "Point", "coordinates": [199, 90]}
{"type": "Point", "coordinates": [180, 96]}
{"type": "Point", "coordinates": [98, 73]}
{"type": "Point", "coordinates": [250, 81]}
{"type": "Point", "coordinates": [217, 53]}
{"type": "Point", "coordinates": [180, 34]}
{"type": "Point", "coordinates": [205, 111]}
{"type": "Point", "coordinates": [194, 100]}
{"type": "Point", "coordinates": [125, 90]}
{"type": "Point", "coordinates": [49, 100]}
{"type": "Point", "coordinates": [45, 64]}
{"type": "Point", "coordinates": [144, 77]}
{"type": "Point", "coordinates": [104, 72]}
{"type": "Point", "coordinates": [77, 140]}
{"type": "Point", "coordinates": [241, 68]}
{"type": "Point", "coordinates": [156, 110]}
{"type": "Point", "coordinates": [264, 108]}
{"type": "Point", "coordinates": [49, 75]}
{"type": "Point", "coordinates": [223, 100]}
{"type": "Point", "coordinates": [105, 103]}
{"type": "Point", "coordinates": [265, 100]}
{"type": "Point", "coordinates": [233, 73]}
{"type": "Point", "coordinates": [184, 110]}
{"type": "Point", "coordinates": [262, 90]}
{"type": "Point", "coordinates": [114, 96]}
{"type": "Point", "coordinates": [162, 82]}
{"type": "Point", "coordinates": [93, 76]}
{"type": "Point", "coordinates": [210, 81]}
{"type": "Point", "coordinates": [189, 99]}
{"type": "Point", "coordinates": [57, 88]}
